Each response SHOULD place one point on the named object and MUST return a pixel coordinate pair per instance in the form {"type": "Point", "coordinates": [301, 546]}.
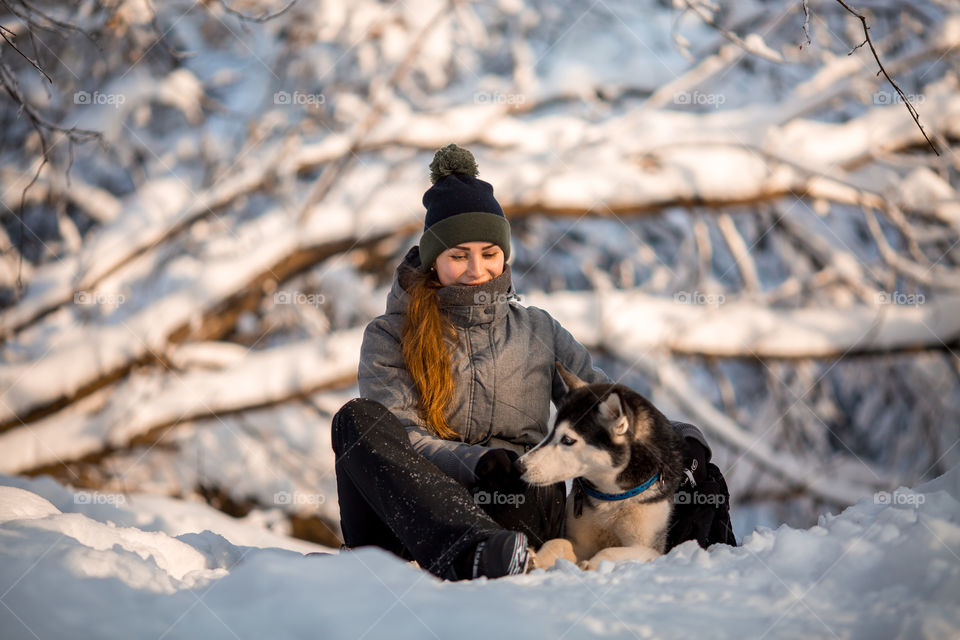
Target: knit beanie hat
{"type": "Point", "coordinates": [460, 208]}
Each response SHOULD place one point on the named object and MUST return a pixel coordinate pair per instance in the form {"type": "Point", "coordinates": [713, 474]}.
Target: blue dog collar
{"type": "Point", "coordinates": [600, 495]}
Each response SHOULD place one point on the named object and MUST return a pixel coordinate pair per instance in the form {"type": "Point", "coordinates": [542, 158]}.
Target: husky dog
{"type": "Point", "coordinates": [626, 460]}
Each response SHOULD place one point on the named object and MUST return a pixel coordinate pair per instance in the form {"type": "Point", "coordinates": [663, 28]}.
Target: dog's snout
{"type": "Point", "coordinates": [520, 464]}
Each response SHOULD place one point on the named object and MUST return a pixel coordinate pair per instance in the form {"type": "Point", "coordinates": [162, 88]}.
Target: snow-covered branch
{"type": "Point", "coordinates": [143, 403]}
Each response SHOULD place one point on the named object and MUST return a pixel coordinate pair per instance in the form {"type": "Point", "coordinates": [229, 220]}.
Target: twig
{"type": "Point", "coordinates": [711, 63]}
{"type": "Point", "coordinates": [806, 22]}
{"type": "Point", "coordinates": [40, 124]}
{"type": "Point", "coordinates": [858, 277]}
{"type": "Point", "coordinates": [869, 42]}
{"type": "Point", "coordinates": [701, 234]}
{"type": "Point", "coordinates": [34, 11]}
{"type": "Point", "coordinates": [32, 62]}
{"type": "Point", "coordinates": [732, 37]}
{"type": "Point", "coordinates": [261, 18]}
{"type": "Point", "coordinates": [740, 252]}
{"type": "Point", "coordinates": [938, 278]}
{"type": "Point", "coordinates": [795, 286]}
{"type": "Point", "coordinates": [727, 393]}
{"type": "Point", "coordinates": [897, 218]}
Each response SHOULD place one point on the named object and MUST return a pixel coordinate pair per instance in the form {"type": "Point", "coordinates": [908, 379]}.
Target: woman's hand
{"type": "Point", "coordinates": [496, 471]}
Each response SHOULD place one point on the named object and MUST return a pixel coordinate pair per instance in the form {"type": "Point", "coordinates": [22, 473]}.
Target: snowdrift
{"type": "Point", "coordinates": [112, 566]}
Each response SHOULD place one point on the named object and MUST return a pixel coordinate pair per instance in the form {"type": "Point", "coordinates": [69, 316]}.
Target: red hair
{"type": "Point", "coordinates": [426, 344]}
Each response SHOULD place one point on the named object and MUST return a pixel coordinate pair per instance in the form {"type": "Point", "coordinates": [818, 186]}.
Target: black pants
{"type": "Point", "coordinates": [394, 498]}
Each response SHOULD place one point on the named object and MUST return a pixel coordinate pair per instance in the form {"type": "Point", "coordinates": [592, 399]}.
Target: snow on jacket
{"type": "Point", "coordinates": [503, 368]}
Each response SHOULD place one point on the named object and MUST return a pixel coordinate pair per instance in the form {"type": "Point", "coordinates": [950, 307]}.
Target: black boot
{"type": "Point", "coordinates": [505, 553]}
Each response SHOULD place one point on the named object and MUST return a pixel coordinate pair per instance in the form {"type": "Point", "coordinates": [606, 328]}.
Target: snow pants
{"type": "Point", "coordinates": [394, 498]}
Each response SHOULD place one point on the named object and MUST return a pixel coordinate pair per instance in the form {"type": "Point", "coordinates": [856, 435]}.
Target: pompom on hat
{"type": "Point", "coordinates": [460, 207]}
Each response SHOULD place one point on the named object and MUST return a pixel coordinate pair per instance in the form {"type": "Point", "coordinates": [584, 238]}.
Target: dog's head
{"type": "Point", "coordinates": [595, 428]}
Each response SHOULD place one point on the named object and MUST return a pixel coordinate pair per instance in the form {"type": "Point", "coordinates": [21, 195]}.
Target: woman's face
{"type": "Point", "coordinates": [469, 263]}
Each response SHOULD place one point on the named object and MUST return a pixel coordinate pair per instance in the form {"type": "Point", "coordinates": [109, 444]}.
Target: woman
{"type": "Point", "coordinates": [456, 381]}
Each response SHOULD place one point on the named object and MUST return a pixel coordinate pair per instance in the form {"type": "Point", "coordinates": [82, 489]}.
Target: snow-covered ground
{"type": "Point", "coordinates": [191, 317]}
{"type": "Point", "coordinates": [188, 323]}
{"type": "Point", "coordinates": [109, 566]}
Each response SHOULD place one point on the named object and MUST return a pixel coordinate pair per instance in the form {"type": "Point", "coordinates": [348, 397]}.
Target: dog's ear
{"type": "Point", "coordinates": [572, 381]}
{"type": "Point", "coordinates": [611, 410]}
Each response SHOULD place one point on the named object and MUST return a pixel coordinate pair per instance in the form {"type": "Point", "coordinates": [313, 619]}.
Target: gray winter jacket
{"type": "Point", "coordinates": [504, 370]}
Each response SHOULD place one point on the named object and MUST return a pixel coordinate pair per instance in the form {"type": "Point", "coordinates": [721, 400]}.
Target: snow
{"type": "Point", "coordinates": [17, 504]}
{"type": "Point", "coordinates": [572, 111]}
{"type": "Point", "coordinates": [698, 323]}
{"type": "Point", "coordinates": [73, 563]}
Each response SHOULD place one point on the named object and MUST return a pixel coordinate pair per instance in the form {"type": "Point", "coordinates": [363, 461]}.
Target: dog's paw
{"type": "Point", "coordinates": [551, 551]}
{"type": "Point", "coordinates": [619, 554]}
{"type": "Point", "coordinates": [600, 566]}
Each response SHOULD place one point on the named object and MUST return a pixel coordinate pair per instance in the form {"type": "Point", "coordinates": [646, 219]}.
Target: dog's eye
{"type": "Point", "coordinates": [567, 441]}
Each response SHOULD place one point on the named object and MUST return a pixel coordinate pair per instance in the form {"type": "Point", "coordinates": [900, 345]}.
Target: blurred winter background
{"type": "Point", "coordinates": [204, 202]}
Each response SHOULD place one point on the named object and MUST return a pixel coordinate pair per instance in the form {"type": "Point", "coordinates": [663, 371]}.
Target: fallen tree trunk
{"type": "Point", "coordinates": [140, 405]}
{"type": "Point", "coordinates": [694, 323]}
{"type": "Point", "coordinates": [75, 357]}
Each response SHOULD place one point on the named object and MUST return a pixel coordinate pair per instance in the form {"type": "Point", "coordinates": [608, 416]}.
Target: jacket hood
{"type": "Point", "coordinates": [466, 305]}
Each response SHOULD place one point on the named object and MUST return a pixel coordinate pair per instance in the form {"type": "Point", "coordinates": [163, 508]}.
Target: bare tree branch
{"type": "Point", "coordinates": [750, 45]}
{"type": "Point", "coordinates": [32, 62]}
{"type": "Point", "coordinates": [866, 32]}
{"type": "Point", "coordinates": [264, 17]}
